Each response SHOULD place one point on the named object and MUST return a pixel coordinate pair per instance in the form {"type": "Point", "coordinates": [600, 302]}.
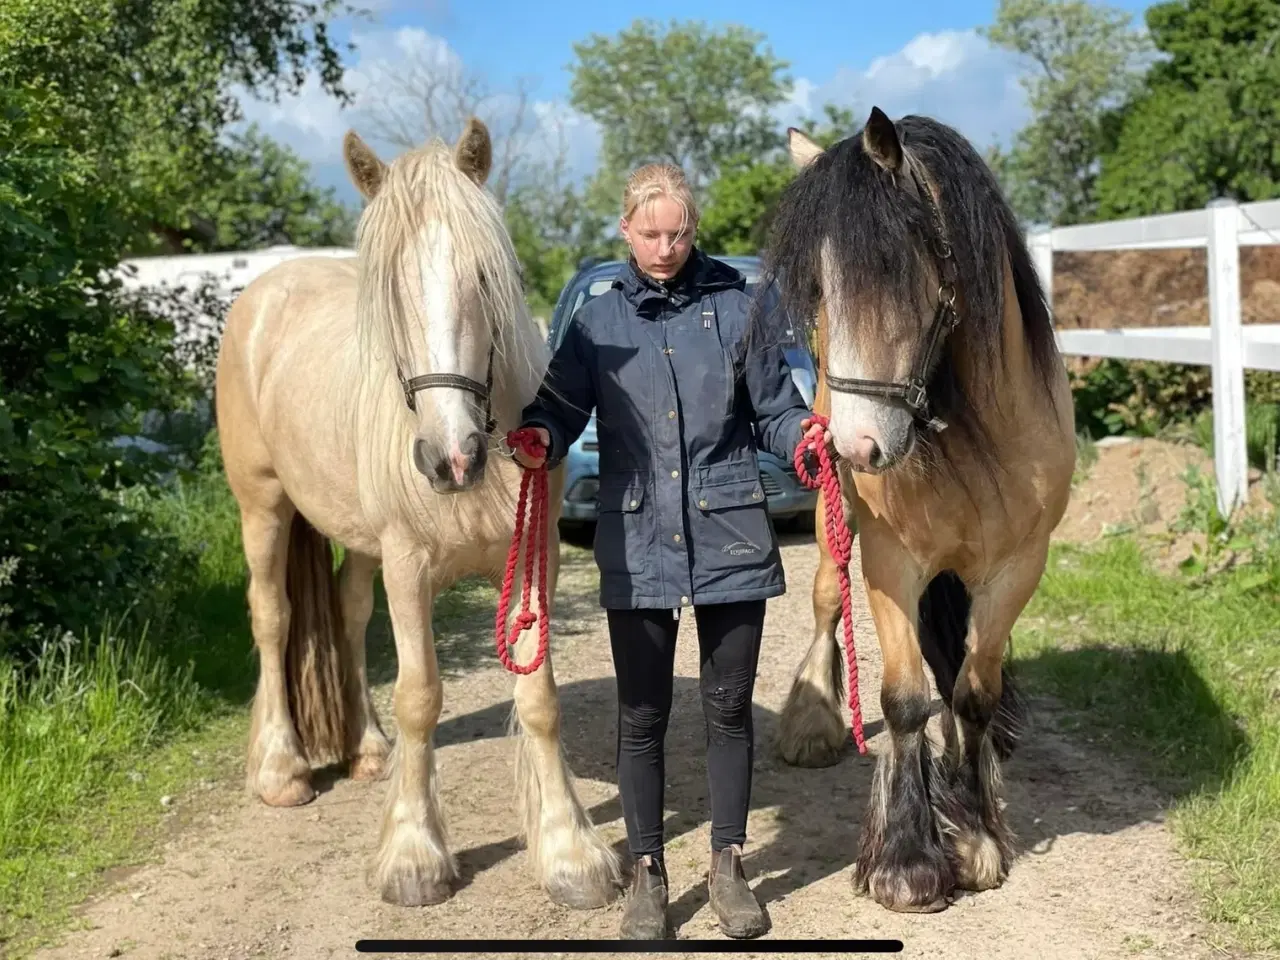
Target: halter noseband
{"type": "Point", "coordinates": [914, 391]}
{"type": "Point", "coordinates": [457, 381]}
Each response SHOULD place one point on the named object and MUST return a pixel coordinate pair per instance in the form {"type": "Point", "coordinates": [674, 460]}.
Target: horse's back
{"type": "Point", "coordinates": [286, 351]}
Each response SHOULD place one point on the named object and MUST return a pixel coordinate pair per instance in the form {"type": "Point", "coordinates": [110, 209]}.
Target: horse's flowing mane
{"type": "Point", "coordinates": [879, 232]}
{"type": "Point", "coordinates": [422, 186]}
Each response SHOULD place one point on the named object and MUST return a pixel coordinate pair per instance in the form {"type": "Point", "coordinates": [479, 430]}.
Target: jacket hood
{"type": "Point", "coordinates": [699, 275]}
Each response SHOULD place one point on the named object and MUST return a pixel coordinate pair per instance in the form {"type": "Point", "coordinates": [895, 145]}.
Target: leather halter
{"type": "Point", "coordinates": [914, 391]}
{"type": "Point", "coordinates": [457, 381]}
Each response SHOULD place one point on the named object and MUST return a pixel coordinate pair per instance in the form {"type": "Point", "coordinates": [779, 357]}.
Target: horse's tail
{"type": "Point", "coordinates": [944, 624]}
{"type": "Point", "coordinates": [318, 668]}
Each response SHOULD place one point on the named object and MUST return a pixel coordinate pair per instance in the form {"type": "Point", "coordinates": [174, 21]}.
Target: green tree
{"type": "Point", "coordinates": [684, 94]}
{"type": "Point", "coordinates": [262, 195]}
{"type": "Point", "coordinates": [1208, 119]}
{"type": "Point", "coordinates": [741, 200]}
{"type": "Point", "coordinates": [1085, 62]}
{"type": "Point", "coordinates": [108, 113]}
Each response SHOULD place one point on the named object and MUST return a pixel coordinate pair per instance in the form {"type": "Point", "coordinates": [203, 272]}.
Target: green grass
{"type": "Point", "coordinates": [1186, 682]}
{"type": "Point", "coordinates": [97, 730]}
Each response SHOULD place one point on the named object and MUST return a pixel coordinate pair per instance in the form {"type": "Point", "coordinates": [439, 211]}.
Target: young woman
{"type": "Point", "coordinates": [681, 389]}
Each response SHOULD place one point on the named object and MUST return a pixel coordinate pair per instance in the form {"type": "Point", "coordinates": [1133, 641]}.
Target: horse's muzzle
{"type": "Point", "coordinates": [457, 471]}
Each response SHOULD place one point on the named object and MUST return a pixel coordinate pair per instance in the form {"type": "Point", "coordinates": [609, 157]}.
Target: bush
{"type": "Point", "coordinates": [1150, 399]}
{"type": "Point", "coordinates": [80, 365]}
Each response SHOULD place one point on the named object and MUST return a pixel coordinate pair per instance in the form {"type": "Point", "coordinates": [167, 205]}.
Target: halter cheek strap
{"type": "Point", "coordinates": [914, 391]}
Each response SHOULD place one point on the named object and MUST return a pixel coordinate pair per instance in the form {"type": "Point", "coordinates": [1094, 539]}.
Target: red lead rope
{"type": "Point", "coordinates": [527, 441]}
{"type": "Point", "coordinates": [840, 543]}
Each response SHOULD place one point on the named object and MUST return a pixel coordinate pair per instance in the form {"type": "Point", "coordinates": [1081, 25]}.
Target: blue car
{"type": "Point", "coordinates": [790, 502]}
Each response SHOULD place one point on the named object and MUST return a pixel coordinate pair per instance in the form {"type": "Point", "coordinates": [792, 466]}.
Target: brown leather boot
{"type": "Point", "coordinates": [645, 916]}
{"type": "Point", "coordinates": [735, 905]}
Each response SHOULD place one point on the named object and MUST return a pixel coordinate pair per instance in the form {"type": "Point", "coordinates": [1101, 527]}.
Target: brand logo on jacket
{"type": "Point", "coordinates": [739, 548]}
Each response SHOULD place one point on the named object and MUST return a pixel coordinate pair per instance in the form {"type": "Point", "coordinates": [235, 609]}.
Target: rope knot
{"type": "Point", "coordinates": [840, 544]}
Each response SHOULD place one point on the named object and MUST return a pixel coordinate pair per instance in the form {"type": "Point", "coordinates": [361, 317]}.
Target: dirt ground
{"type": "Point", "coordinates": [1096, 874]}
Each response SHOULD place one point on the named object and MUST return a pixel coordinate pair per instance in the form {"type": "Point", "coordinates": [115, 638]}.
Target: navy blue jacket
{"type": "Point", "coordinates": [681, 391]}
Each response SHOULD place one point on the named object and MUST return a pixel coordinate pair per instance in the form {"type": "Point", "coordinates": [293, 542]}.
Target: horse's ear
{"type": "Point", "coordinates": [363, 166]}
{"type": "Point", "coordinates": [474, 151]}
{"type": "Point", "coordinates": [880, 140]}
{"type": "Point", "coordinates": [803, 150]}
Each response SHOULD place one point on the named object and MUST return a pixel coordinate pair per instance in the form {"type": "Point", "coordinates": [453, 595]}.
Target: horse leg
{"type": "Point", "coordinates": [372, 751]}
{"type": "Point", "coordinates": [569, 858]}
{"type": "Point", "coordinates": [811, 732]}
{"type": "Point", "coordinates": [902, 861]}
{"type": "Point", "coordinates": [978, 722]}
{"type": "Point", "coordinates": [276, 769]}
{"type": "Point", "coordinates": [413, 865]}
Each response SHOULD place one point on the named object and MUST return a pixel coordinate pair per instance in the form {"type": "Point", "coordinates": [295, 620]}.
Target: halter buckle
{"type": "Point", "coordinates": [914, 393]}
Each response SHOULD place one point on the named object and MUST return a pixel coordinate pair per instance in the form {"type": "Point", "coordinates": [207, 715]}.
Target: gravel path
{"type": "Point", "coordinates": [1096, 875]}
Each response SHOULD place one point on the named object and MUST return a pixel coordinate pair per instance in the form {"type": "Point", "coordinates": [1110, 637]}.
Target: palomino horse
{"type": "Point", "coordinates": [357, 402]}
{"type": "Point", "coordinates": [951, 415]}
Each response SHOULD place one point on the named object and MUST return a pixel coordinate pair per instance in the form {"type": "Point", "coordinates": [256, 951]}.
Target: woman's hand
{"type": "Point", "coordinates": [530, 462]}
{"type": "Point", "coordinates": [817, 433]}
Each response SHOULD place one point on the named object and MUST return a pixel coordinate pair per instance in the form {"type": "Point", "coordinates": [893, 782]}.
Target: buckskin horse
{"type": "Point", "coordinates": [952, 422]}
{"type": "Point", "coordinates": [357, 402]}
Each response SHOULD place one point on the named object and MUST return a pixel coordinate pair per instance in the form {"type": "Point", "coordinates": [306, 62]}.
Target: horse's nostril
{"type": "Point", "coordinates": [420, 458]}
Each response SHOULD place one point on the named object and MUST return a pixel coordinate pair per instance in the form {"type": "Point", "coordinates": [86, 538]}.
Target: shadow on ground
{"type": "Point", "coordinates": [1055, 786]}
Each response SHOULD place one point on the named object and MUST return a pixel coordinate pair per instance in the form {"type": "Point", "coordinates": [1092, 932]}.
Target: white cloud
{"type": "Point", "coordinates": [953, 76]}
{"type": "Point", "coordinates": [313, 122]}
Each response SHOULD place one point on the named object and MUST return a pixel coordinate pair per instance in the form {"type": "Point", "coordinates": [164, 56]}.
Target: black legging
{"type": "Point", "coordinates": [644, 648]}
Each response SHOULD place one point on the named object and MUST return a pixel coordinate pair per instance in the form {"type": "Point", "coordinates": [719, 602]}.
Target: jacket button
{"type": "Point", "coordinates": [671, 414]}
{"type": "Point", "coordinates": [684, 600]}
{"type": "Point", "coordinates": [633, 504]}
{"type": "Point", "coordinates": [675, 473]}
{"type": "Point", "coordinates": [702, 504]}
{"type": "Point", "coordinates": [676, 538]}
{"type": "Point", "coordinates": [755, 494]}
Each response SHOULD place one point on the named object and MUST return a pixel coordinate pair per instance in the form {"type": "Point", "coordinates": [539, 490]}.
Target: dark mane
{"type": "Point", "coordinates": [880, 230]}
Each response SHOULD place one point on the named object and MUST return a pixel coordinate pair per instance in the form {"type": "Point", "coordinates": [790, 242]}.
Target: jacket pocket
{"type": "Point", "coordinates": [734, 529]}
{"type": "Point", "coordinates": [624, 534]}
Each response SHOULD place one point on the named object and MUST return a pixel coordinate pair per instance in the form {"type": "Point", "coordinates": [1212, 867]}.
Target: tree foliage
{"type": "Point", "coordinates": [110, 114]}
{"type": "Point", "coordinates": [684, 93]}
{"type": "Point", "coordinates": [1084, 62]}
{"type": "Point", "coordinates": [1207, 121]}
{"type": "Point", "coordinates": [741, 200]}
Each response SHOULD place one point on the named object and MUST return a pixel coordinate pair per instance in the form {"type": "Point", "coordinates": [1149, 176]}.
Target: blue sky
{"type": "Point", "coordinates": [912, 56]}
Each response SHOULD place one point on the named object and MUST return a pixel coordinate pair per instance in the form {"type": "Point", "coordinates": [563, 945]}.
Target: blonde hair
{"type": "Point", "coordinates": [655, 180]}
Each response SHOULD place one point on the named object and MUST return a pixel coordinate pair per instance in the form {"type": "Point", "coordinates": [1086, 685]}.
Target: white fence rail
{"type": "Point", "coordinates": [1225, 345]}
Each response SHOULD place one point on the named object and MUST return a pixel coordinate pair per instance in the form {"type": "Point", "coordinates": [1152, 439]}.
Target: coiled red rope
{"type": "Point", "coordinates": [840, 543]}
{"type": "Point", "coordinates": [536, 545]}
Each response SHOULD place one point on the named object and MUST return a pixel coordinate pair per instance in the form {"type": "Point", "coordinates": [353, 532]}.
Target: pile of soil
{"type": "Point", "coordinates": [1140, 485]}
{"type": "Point", "coordinates": [1156, 288]}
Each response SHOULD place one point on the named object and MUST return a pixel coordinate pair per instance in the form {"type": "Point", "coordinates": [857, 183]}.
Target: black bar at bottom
{"type": "Point", "coordinates": [629, 946]}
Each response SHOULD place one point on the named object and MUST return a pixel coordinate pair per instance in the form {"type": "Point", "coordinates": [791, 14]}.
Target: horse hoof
{"type": "Point", "coordinates": [811, 754]}
{"type": "Point", "coordinates": [368, 767]}
{"type": "Point", "coordinates": [583, 896]}
{"type": "Point", "coordinates": [295, 793]}
{"type": "Point", "coordinates": [919, 887]}
{"type": "Point", "coordinates": [810, 733]}
{"type": "Point", "coordinates": [407, 890]}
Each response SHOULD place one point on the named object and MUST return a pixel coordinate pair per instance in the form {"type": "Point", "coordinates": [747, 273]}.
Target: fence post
{"type": "Point", "coordinates": [1040, 245]}
{"type": "Point", "coordinates": [1230, 458]}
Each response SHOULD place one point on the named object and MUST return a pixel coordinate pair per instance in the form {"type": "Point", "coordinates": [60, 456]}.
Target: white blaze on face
{"type": "Point", "coordinates": [868, 431]}
{"type": "Point", "coordinates": [852, 415]}
{"type": "Point", "coordinates": [452, 344]}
